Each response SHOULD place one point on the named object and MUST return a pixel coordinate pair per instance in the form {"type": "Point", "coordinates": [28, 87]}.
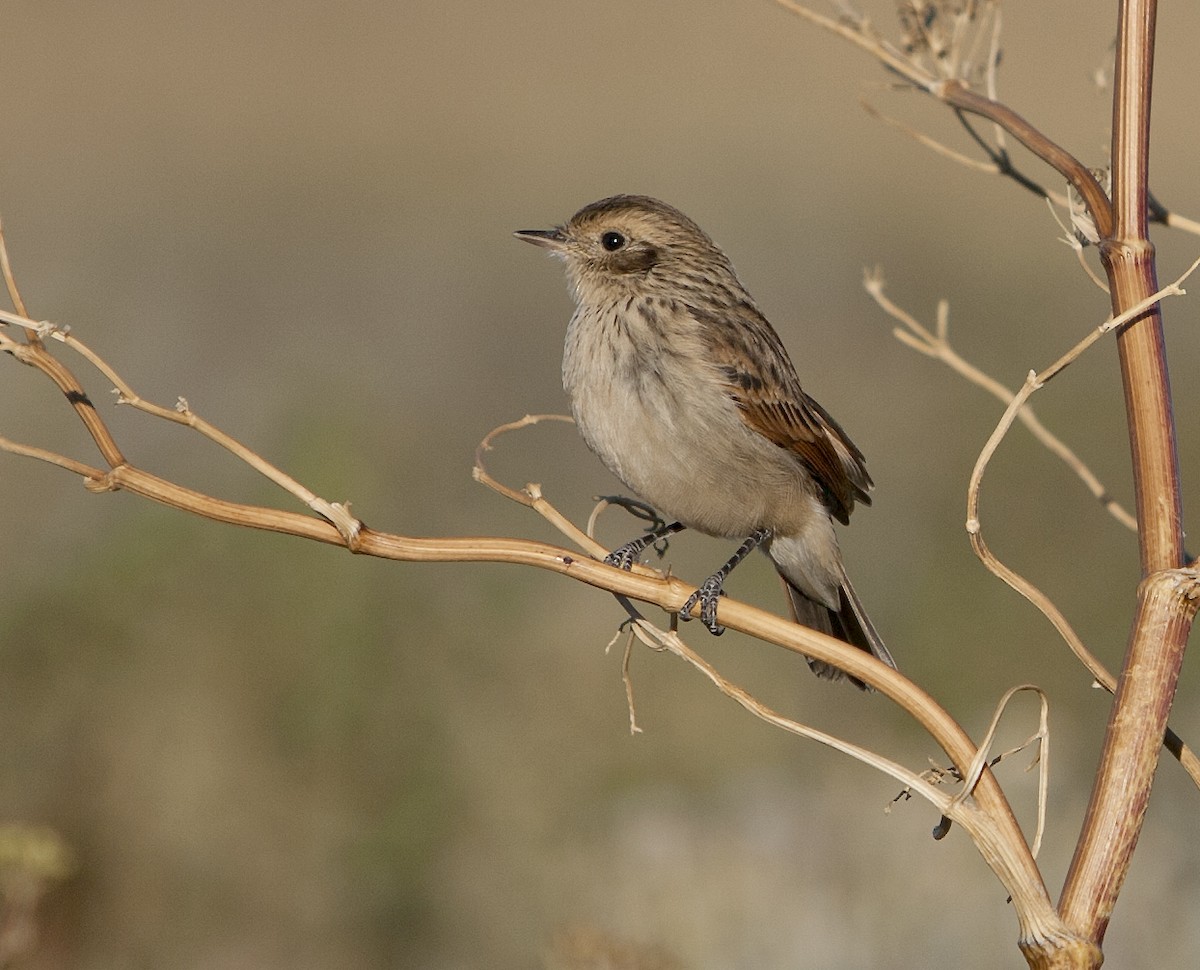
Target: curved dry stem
{"type": "Point", "coordinates": [990, 167]}
{"type": "Point", "coordinates": [1038, 921]}
{"type": "Point", "coordinates": [14, 292]}
{"type": "Point", "coordinates": [951, 86]}
{"type": "Point", "coordinates": [626, 677]}
{"type": "Point", "coordinates": [642, 583]}
{"type": "Point", "coordinates": [635, 507]}
{"type": "Point", "coordinates": [531, 494]}
{"type": "Point", "coordinates": [1000, 163]}
{"type": "Point", "coordinates": [1077, 226]}
{"type": "Point", "coordinates": [1041, 735]}
{"type": "Point", "coordinates": [995, 827]}
{"type": "Point", "coordinates": [480, 472]}
{"type": "Point", "coordinates": [336, 513]}
{"type": "Point", "coordinates": [10, 281]}
{"type": "Point", "coordinates": [857, 31]}
{"type": "Point", "coordinates": [87, 472]}
{"type": "Point", "coordinates": [1174, 220]}
{"type": "Point", "coordinates": [987, 817]}
{"type": "Point", "coordinates": [937, 346]}
{"type": "Point", "coordinates": [1034, 382]}
{"type": "Point", "coordinates": [673, 643]}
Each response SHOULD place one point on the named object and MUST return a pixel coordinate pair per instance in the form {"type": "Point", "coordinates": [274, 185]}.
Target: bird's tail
{"type": "Point", "coordinates": [849, 623]}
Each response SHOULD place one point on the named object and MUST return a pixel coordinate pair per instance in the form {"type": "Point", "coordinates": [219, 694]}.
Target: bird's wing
{"type": "Point", "coordinates": [760, 378]}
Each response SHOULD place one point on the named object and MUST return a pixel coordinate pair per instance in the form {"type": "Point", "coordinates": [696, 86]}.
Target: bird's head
{"type": "Point", "coordinates": [630, 243]}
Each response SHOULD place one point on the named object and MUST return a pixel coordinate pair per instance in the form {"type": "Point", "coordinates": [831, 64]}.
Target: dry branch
{"type": "Point", "coordinates": [941, 59]}
{"type": "Point", "coordinates": [1166, 598]}
{"type": "Point", "coordinates": [986, 814]}
{"type": "Point", "coordinates": [1166, 603]}
{"type": "Point", "coordinates": [936, 344]}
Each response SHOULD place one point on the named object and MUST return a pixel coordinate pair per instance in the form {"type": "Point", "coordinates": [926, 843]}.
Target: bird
{"type": "Point", "coordinates": [684, 390]}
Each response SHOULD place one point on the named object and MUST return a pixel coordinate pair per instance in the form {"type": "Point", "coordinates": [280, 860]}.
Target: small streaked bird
{"type": "Point", "coordinates": [684, 390]}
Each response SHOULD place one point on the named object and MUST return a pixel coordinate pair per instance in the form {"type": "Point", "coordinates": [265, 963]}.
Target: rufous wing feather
{"type": "Point", "coordinates": [774, 405]}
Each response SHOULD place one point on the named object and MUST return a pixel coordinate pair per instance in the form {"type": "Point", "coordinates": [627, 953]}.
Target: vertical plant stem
{"type": "Point", "coordinates": [1129, 259]}
{"type": "Point", "coordinates": [1165, 608]}
{"type": "Point", "coordinates": [1166, 605]}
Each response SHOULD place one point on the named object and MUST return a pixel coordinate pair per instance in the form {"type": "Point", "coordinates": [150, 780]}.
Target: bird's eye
{"type": "Point", "coordinates": [612, 241]}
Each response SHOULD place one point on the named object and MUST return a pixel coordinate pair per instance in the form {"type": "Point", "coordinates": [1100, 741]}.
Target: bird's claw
{"type": "Point", "coordinates": [625, 556]}
{"type": "Point", "coordinates": [707, 595]}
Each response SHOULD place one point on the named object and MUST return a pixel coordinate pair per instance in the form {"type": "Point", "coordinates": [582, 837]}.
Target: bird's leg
{"type": "Point", "coordinates": [710, 590]}
{"type": "Point", "coordinates": [626, 555]}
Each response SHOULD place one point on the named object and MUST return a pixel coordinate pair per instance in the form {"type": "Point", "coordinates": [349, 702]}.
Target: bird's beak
{"type": "Point", "coordinates": [546, 238]}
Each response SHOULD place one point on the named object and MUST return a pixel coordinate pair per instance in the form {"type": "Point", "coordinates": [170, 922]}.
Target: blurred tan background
{"type": "Point", "coordinates": [266, 753]}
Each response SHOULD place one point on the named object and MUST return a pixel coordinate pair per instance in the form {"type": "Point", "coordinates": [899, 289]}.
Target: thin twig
{"type": "Point", "coordinates": [1034, 382]}
{"type": "Point", "coordinates": [1038, 922]}
{"type": "Point", "coordinates": [1000, 839]}
{"type": "Point", "coordinates": [531, 494]}
{"type": "Point", "coordinates": [1071, 237]}
{"type": "Point", "coordinates": [87, 472]}
{"type": "Point", "coordinates": [627, 680]}
{"type": "Point", "coordinates": [936, 344]}
{"type": "Point", "coordinates": [956, 93]}
{"type": "Point", "coordinates": [988, 168]}
{"type": "Point", "coordinates": [915, 335]}
{"type": "Point", "coordinates": [335, 512]}
{"type": "Point", "coordinates": [10, 282]}
{"type": "Point", "coordinates": [1042, 735]}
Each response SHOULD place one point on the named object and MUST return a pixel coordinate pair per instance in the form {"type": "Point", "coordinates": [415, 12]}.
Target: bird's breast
{"type": "Point", "coordinates": [653, 408]}
{"type": "Point", "coordinates": [629, 388]}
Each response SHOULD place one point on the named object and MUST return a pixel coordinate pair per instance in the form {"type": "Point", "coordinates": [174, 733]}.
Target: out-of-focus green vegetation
{"type": "Point", "coordinates": [266, 753]}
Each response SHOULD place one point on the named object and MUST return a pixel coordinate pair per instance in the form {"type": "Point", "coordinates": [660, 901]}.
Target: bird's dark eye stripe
{"type": "Point", "coordinates": [612, 240]}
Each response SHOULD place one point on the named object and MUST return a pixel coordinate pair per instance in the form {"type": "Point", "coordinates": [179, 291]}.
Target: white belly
{"type": "Point", "coordinates": [664, 424]}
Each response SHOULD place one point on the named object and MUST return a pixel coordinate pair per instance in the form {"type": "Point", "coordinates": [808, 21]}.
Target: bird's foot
{"type": "Point", "coordinates": [625, 556]}
{"type": "Point", "coordinates": [707, 595]}
{"type": "Point", "coordinates": [711, 591]}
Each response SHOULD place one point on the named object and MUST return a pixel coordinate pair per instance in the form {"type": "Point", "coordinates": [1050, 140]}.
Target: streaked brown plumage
{"type": "Point", "coordinates": [684, 390]}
